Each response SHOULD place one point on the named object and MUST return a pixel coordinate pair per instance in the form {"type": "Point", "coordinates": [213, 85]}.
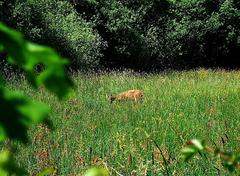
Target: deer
{"type": "Point", "coordinates": [133, 95]}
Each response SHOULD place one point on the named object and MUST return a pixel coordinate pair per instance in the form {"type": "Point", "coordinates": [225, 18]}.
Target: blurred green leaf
{"type": "Point", "coordinates": [193, 147]}
{"type": "Point", "coordinates": [54, 76]}
{"type": "Point", "coordinates": [97, 172]}
{"type": "Point", "coordinates": [187, 153]}
{"type": "Point", "coordinates": [8, 166]}
{"type": "Point", "coordinates": [231, 161]}
{"type": "Point", "coordinates": [46, 172]}
{"type": "Point", "coordinates": [14, 44]}
{"type": "Point", "coordinates": [17, 113]}
{"type": "Point", "coordinates": [199, 145]}
{"type": "Point", "coordinates": [28, 55]}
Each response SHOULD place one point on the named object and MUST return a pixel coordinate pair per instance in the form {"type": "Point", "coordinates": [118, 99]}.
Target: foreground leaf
{"type": "Point", "coordinates": [231, 161]}
{"type": "Point", "coordinates": [27, 56]}
{"type": "Point", "coordinates": [46, 172]}
{"type": "Point", "coordinates": [14, 44]}
{"type": "Point", "coordinates": [17, 113]}
{"type": "Point", "coordinates": [8, 166]}
{"type": "Point", "coordinates": [97, 172]}
{"type": "Point", "coordinates": [53, 77]}
{"type": "Point", "coordinates": [193, 147]}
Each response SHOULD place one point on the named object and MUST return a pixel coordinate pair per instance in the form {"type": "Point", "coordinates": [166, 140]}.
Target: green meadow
{"type": "Point", "coordinates": [136, 139]}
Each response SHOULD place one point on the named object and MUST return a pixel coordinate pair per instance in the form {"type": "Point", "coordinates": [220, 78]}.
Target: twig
{"type": "Point", "coordinates": [164, 159]}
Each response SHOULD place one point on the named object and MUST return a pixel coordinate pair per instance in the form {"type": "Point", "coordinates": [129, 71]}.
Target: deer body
{"type": "Point", "coordinates": [134, 95]}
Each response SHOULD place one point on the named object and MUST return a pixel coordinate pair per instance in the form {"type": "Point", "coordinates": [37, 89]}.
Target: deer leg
{"type": "Point", "coordinates": [136, 100]}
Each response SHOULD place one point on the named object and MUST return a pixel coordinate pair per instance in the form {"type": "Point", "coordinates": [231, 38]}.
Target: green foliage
{"type": "Point", "coordinates": [177, 106]}
{"type": "Point", "coordinates": [230, 160]}
{"type": "Point", "coordinates": [125, 27]}
{"type": "Point", "coordinates": [46, 172]}
{"type": "Point", "coordinates": [5, 10]}
{"type": "Point", "coordinates": [28, 55]}
{"type": "Point", "coordinates": [142, 35]}
{"type": "Point", "coordinates": [167, 33]}
{"type": "Point", "coordinates": [57, 24]}
{"type": "Point", "coordinates": [18, 113]}
{"type": "Point", "coordinates": [198, 33]}
{"type": "Point", "coordinates": [194, 147]}
{"type": "Point", "coordinates": [8, 167]}
{"type": "Point", "coordinates": [96, 172]}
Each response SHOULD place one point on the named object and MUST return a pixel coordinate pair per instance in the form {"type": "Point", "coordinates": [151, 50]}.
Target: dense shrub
{"type": "Point", "coordinates": [5, 8]}
{"type": "Point", "coordinates": [127, 27]}
{"type": "Point", "coordinates": [57, 24]}
{"type": "Point", "coordinates": [166, 33]}
{"type": "Point", "coordinates": [144, 34]}
{"type": "Point", "coordinates": [203, 33]}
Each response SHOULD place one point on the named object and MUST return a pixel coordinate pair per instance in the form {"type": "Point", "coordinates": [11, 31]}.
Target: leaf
{"type": "Point", "coordinates": [13, 43]}
{"type": "Point", "coordinates": [194, 146]}
{"type": "Point", "coordinates": [46, 172]}
{"type": "Point", "coordinates": [198, 144]}
{"type": "Point", "coordinates": [54, 76]}
{"type": "Point", "coordinates": [34, 112]}
{"type": "Point", "coordinates": [17, 113]}
{"type": "Point", "coordinates": [187, 153]}
{"type": "Point", "coordinates": [8, 166]}
{"type": "Point", "coordinates": [231, 160]}
{"type": "Point", "coordinates": [97, 172]}
{"type": "Point", "coordinates": [27, 55]}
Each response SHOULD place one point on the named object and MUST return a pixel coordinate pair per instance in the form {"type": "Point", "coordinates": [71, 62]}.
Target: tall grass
{"type": "Point", "coordinates": [142, 139]}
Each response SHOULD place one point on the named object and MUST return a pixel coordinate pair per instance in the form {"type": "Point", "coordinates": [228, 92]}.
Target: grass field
{"type": "Point", "coordinates": [177, 107]}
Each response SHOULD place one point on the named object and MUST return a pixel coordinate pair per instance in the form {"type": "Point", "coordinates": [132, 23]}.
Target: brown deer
{"type": "Point", "coordinates": [135, 95]}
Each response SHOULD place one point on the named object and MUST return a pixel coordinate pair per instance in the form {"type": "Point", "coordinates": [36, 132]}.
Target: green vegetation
{"type": "Point", "coordinates": [18, 112]}
{"type": "Point", "coordinates": [56, 24]}
{"type": "Point", "coordinates": [131, 139]}
{"type": "Point", "coordinates": [147, 34]}
{"type": "Point", "coordinates": [230, 160]}
{"type": "Point", "coordinates": [122, 138]}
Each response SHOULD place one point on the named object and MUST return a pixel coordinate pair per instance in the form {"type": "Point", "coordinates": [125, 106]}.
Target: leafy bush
{"type": "Point", "coordinates": [166, 33]}
{"type": "Point", "coordinates": [57, 24]}
{"type": "Point", "coordinates": [128, 29]}
{"type": "Point", "coordinates": [202, 33]}
{"type": "Point", "coordinates": [145, 34]}
{"type": "Point", "coordinates": [5, 10]}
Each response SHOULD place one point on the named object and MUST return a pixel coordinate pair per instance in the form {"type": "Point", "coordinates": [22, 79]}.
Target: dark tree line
{"type": "Point", "coordinates": [143, 34]}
